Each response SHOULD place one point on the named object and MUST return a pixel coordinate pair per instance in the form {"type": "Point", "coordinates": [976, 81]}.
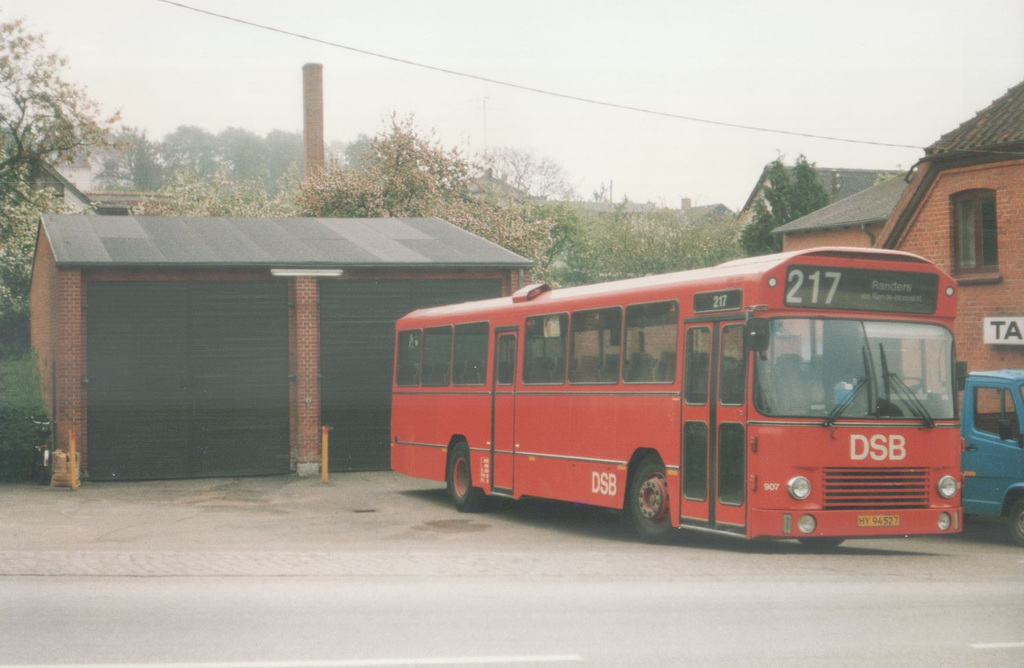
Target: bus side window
{"type": "Point", "coordinates": [596, 339]}
{"type": "Point", "coordinates": [506, 360]}
{"type": "Point", "coordinates": [407, 371]}
{"type": "Point", "coordinates": [651, 339]}
{"type": "Point", "coordinates": [731, 374]}
{"type": "Point", "coordinates": [437, 356]}
{"type": "Point", "coordinates": [544, 349]}
{"type": "Point", "coordinates": [698, 355]}
{"type": "Point", "coordinates": [469, 366]}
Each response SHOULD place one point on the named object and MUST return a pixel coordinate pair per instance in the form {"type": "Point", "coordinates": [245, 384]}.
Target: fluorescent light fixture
{"type": "Point", "coordinates": [311, 273]}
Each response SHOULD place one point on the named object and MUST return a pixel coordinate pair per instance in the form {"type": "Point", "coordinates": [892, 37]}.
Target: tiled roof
{"type": "Point", "coordinates": [997, 125]}
{"type": "Point", "coordinates": [111, 241]}
{"type": "Point", "coordinates": [995, 134]}
{"type": "Point", "coordinates": [873, 205]}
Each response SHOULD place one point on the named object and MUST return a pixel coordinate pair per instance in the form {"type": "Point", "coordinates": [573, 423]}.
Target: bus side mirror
{"type": "Point", "coordinates": [961, 375]}
{"type": "Point", "coordinates": [755, 335]}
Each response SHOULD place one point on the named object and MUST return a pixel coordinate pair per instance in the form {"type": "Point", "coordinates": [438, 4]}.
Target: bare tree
{"type": "Point", "coordinates": [526, 173]}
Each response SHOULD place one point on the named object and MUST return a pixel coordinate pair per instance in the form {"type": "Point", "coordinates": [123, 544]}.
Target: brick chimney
{"type": "Point", "coordinates": [313, 118]}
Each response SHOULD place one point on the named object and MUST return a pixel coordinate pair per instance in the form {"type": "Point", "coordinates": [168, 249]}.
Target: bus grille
{"type": "Point", "coordinates": [876, 489]}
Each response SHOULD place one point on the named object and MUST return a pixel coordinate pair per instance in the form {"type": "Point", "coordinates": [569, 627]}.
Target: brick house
{"type": "Point", "coordinates": [962, 207]}
{"type": "Point", "coordinates": [964, 210]}
{"type": "Point", "coordinates": [193, 347]}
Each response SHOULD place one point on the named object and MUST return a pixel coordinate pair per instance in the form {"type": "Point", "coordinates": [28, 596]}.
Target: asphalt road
{"type": "Point", "coordinates": [379, 570]}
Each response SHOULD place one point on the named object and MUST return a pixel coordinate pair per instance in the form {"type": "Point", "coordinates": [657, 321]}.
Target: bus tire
{"type": "Point", "coordinates": [649, 504]}
{"type": "Point", "coordinates": [1017, 522]}
{"type": "Point", "coordinates": [467, 499]}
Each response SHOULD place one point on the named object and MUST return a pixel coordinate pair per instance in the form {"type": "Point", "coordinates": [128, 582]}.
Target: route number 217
{"type": "Point", "coordinates": [822, 286]}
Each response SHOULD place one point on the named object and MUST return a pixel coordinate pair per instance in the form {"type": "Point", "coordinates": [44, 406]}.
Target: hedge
{"type": "Point", "coordinates": [20, 402]}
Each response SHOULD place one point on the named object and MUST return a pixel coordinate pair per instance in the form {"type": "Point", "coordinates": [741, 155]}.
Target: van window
{"type": "Point", "coordinates": [992, 406]}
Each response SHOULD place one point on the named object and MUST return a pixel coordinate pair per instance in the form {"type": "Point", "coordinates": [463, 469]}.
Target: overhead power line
{"type": "Point", "coordinates": [532, 89]}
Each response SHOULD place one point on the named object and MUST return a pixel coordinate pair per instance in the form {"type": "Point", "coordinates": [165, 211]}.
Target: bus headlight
{"type": "Point", "coordinates": [945, 521]}
{"type": "Point", "coordinates": [807, 524]}
{"type": "Point", "coordinates": [947, 486]}
{"type": "Point", "coordinates": [799, 488]}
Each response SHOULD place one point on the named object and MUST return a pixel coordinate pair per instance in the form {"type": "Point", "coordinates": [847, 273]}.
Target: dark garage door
{"type": "Point", "coordinates": [357, 335]}
{"type": "Point", "coordinates": [187, 380]}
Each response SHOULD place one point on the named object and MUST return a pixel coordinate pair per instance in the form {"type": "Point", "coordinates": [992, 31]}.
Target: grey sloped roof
{"type": "Point", "coordinates": [111, 241]}
{"type": "Point", "coordinates": [843, 183]}
{"type": "Point", "coordinates": [874, 205]}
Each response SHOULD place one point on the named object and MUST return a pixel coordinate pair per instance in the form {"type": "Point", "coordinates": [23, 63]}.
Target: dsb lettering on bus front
{"type": "Point", "coordinates": [805, 395]}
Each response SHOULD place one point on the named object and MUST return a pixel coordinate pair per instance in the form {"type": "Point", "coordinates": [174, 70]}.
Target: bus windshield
{"type": "Point", "coordinates": [830, 368]}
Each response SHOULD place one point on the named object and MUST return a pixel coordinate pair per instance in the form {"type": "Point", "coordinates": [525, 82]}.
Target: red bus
{"type": "Point", "coordinates": [806, 395]}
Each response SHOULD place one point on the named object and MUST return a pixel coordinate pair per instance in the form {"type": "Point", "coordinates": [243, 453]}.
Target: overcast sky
{"type": "Point", "coordinates": [898, 72]}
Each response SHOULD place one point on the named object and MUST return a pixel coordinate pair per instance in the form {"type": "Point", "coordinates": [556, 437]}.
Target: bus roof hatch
{"type": "Point", "coordinates": [530, 292]}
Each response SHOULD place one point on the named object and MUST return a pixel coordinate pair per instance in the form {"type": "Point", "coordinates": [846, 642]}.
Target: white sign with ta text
{"type": "Point", "coordinates": [1005, 331]}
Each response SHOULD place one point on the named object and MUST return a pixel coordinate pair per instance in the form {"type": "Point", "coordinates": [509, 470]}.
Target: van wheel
{"type": "Point", "coordinates": [1017, 522]}
{"type": "Point", "coordinates": [467, 499]}
{"type": "Point", "coordinates": [649, 504]}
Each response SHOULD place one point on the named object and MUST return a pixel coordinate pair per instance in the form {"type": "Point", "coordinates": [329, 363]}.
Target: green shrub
{"type": "Point", "coordinates": [20, 401]}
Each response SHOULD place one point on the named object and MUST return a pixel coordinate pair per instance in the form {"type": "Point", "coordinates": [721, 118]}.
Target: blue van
{"type": "Point", "coordinates": [992, 424]}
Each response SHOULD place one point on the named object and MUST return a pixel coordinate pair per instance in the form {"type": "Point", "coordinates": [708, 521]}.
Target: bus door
{"type": "Point", "coordinates": [503, 410]}
{"type": "Point", "coordinates": [713, 444]}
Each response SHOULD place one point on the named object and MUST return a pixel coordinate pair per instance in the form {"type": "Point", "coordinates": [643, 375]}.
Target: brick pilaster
{"type": "Point", "coordinates": [307, 369]}
{"type": "Point", "coordinates": [69, 354]}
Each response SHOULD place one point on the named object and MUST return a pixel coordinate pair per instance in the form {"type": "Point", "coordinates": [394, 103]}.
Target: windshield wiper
{"type": "Point", "coordinates": [847, 401]}
{"type": "Point", "coordinates": [916, 407]}
{"type": "Point", "coordinates": [892, 379]}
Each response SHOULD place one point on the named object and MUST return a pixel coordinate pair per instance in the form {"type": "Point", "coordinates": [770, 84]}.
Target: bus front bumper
{"type": "Point", "coordinates": [853, 523]}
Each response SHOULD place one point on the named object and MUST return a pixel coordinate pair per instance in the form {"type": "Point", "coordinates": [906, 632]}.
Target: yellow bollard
{"type": "Point", "coordinates": [73, 460]}
{"type": "Point", "coordinates": [323, 453]}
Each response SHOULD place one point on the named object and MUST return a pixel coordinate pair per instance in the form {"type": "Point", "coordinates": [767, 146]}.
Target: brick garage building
{"type": "Point", "coordinates": [962, 207]}
{"type": "Point", "coordinates": [192, 347]}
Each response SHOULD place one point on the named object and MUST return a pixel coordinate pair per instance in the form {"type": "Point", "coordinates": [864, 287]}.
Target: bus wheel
{"type": "Point", "coordinates": [1017, 522]}
{"type": "Point", "coordinates": [649, 502]}
{"type": "Point", "coordinates": [821, 542]}
{"type": "Point", "coordinates": [467, 499]}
